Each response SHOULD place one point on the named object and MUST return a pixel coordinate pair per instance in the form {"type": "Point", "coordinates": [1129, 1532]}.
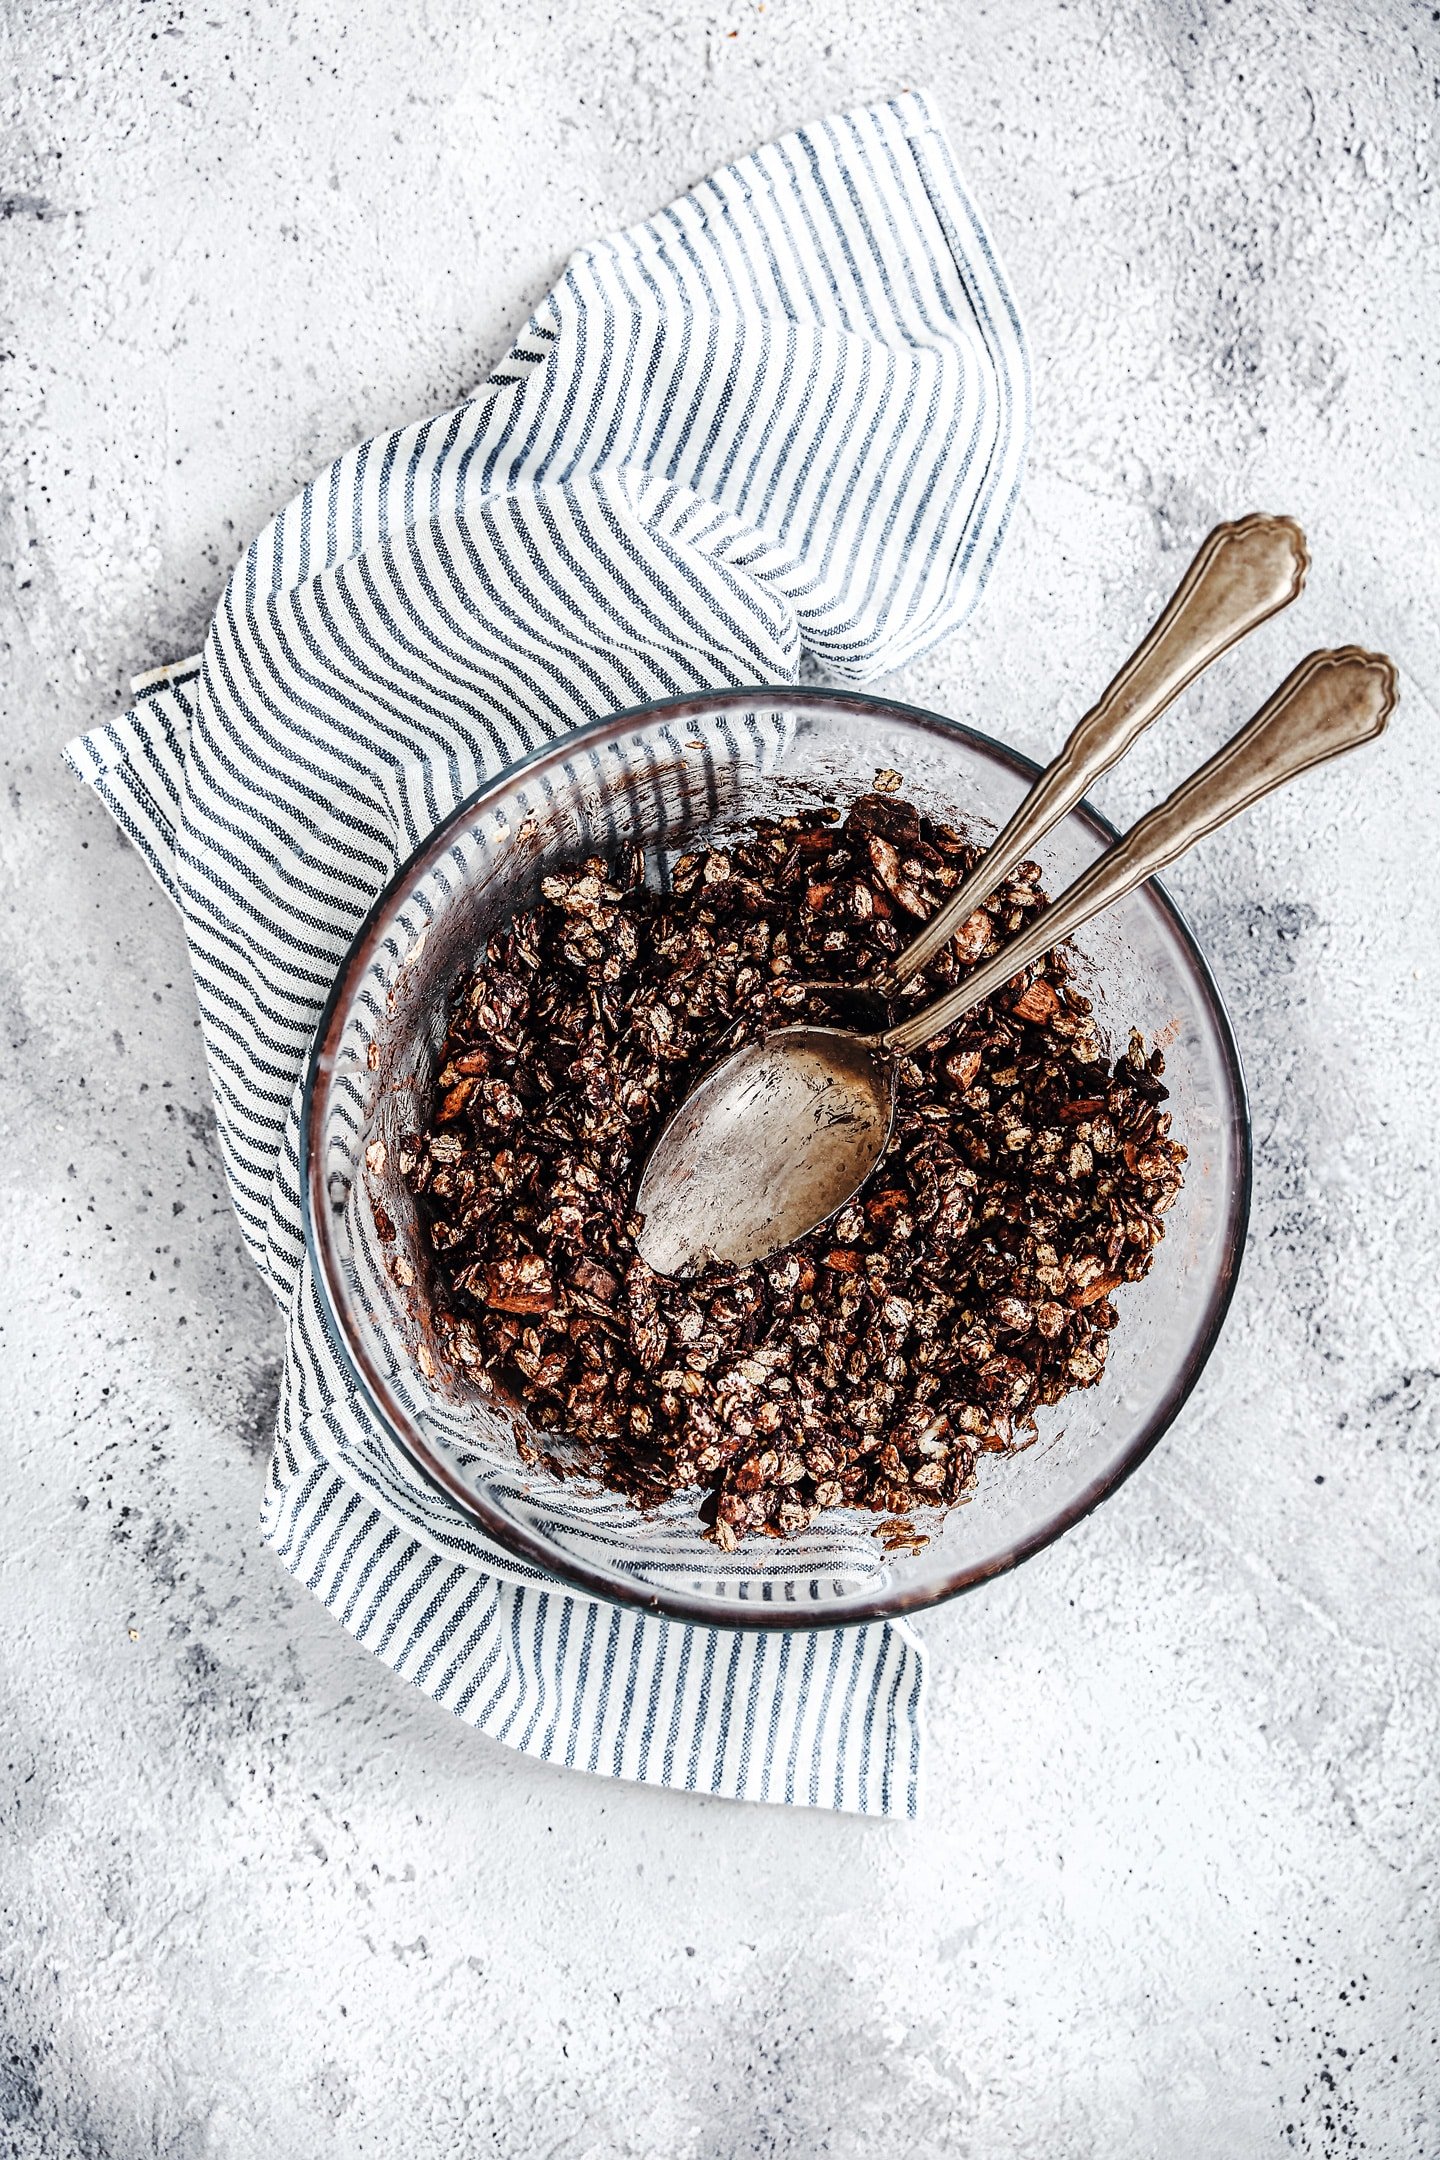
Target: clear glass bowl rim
{"type": "Point", "coordinates": [368, 1377]}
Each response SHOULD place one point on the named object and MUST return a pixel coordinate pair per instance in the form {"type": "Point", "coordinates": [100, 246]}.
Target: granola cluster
{"type": "Point", "coordinates": [867, 1365]}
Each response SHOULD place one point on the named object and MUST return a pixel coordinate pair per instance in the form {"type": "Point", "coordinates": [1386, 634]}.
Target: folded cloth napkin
{"type": "Point", "coordinates": [786, 415]}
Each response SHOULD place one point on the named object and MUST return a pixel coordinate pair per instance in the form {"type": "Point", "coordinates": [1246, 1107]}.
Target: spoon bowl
{"type": "Point", "coordinates": [771, 1143]}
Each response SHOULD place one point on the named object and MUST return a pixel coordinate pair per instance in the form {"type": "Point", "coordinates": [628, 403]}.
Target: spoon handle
{"type": "Point", "coordinates": [1244, 572]}
{"type": "Point", "coordinates": [1332, 702]}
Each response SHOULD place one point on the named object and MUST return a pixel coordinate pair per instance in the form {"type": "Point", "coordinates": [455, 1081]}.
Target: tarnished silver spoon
{"type": "Point", "coordinates": [785, 1130]}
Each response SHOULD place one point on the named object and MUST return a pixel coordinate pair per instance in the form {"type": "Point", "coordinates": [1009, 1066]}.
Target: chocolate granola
{"type": "Point", "coordinates": [867, 1365]}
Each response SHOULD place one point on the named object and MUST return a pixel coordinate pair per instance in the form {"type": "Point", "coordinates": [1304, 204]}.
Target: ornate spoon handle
{"type": "Point", "coordinates": [1244, 572]}
{"type": "Point", "coordinates": [1332, 702]}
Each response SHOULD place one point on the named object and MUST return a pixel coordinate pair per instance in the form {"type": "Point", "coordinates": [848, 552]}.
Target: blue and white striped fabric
{"type": "Point", "coordinates": [786, 415]}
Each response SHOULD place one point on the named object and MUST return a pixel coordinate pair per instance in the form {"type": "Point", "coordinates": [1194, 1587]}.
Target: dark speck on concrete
{"type": "Point", "coordinates": [258, 1407]}
{"type": "Point", "coordinates": [199, 1122]}
{"type": "Point", "coordinates": [1283, 920]}
{"type": "Point", "coordinates": [38, 207]}
{"type": "Point", "coordinates": [20, 2091]}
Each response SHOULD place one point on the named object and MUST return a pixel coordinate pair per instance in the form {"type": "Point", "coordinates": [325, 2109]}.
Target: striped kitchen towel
{"type": "Point", "coordinates": [786, 415]}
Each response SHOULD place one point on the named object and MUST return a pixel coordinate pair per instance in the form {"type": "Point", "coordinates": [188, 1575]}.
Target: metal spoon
{"type": "Point", "coordinates": [785, 1130]}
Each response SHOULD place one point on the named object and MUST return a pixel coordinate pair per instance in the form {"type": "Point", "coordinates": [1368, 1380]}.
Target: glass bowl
{"type": "Point", "coordinates": [661, 777]}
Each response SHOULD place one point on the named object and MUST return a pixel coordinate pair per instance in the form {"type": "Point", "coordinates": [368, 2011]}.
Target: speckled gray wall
{"type": "Point", "coordinates": [1174, 1893]}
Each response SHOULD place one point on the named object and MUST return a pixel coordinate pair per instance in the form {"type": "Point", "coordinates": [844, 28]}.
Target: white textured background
{"type": "Point", "coordinates": [1175, 1891]}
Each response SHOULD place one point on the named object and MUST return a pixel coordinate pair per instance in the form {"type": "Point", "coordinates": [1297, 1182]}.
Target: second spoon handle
{"type": "Point", "coordinates": [1332, 702]}
{"type": "Point", "coordinates": [1244, 572]}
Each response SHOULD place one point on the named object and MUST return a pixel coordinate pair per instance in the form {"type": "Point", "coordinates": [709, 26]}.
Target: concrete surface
{"type": "Point", "coordinates": [1174, 1893]}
